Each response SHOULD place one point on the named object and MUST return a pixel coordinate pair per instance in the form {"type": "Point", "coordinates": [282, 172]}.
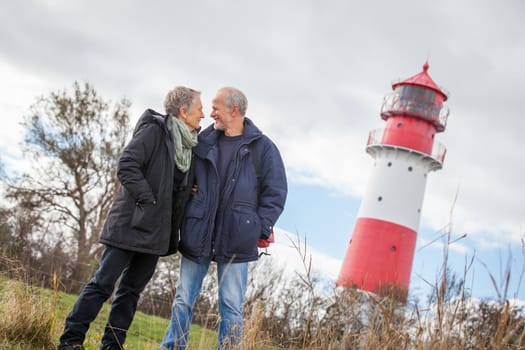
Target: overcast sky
{"type": "Point", "coordinates": [315, 73]}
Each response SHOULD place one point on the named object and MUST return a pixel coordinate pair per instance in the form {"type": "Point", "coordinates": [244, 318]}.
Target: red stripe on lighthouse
{"type": "Point", "coordinates": [379, 256]}
{"type": "Point", "coordinates": [413, 133]}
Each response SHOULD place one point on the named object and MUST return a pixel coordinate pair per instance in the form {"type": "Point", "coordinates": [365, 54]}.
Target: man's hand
{"type": "Point", "coordinates": [265, 243]}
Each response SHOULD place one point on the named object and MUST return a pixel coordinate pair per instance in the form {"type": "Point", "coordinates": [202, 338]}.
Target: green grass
{"type": "Point", "coordinates": [145, 333]}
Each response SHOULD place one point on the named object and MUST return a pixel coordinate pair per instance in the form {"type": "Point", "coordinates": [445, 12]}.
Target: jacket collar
{"type": "Point", "coordinates": [151, 116]}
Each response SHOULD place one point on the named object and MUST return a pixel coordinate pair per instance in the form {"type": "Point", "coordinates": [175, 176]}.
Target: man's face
{"type": "Point", "coordinates": [220, 113]}
{"type": "Point", "coordinates": [194, 114]}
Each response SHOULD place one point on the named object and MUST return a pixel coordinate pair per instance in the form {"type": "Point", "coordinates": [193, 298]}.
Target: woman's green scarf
{"type": "Point", "coordinates": [184, 140]}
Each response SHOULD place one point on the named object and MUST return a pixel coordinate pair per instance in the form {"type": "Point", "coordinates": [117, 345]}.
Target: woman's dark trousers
{"type": "Point", "coordinates": [136, 270]}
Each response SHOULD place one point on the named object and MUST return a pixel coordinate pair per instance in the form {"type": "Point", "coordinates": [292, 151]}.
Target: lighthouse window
{"type": "Point", "coordinates": [393, 248]}
{"type": "Point", "coordinates": [417, 93]}
{"type": "Point", "coordinates": [417, 100]}
{"type": "Point", "coordinates": [399, 125]}
{"type": "Point", "coordinates": [379, 199]}
{"type": "Point", "coordinates": [409, 168]}
{"type": "Point", "coordinates": [389, 164]}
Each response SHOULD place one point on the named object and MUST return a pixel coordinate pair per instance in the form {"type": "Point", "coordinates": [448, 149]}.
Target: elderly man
{"type": "Point", "coordinates": [241, 193]}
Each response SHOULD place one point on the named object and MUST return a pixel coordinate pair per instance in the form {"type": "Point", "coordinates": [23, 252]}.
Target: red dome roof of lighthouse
{"type": "Point", "coordinates": [422, 79]}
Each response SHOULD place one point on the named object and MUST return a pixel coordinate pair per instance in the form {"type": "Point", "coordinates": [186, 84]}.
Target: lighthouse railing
{"type": "Point", "coordinates": [439, 151]}
{"type": "Point", "coordinates": [394, 104]}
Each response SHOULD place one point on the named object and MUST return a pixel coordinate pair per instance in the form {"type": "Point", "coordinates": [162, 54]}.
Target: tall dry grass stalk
{"type": "Point", "coordinates": [254, 335]}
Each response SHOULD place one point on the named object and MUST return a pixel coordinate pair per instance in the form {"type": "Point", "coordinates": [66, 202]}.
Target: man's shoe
{"type": "Point", "coordinates": [70, 347]}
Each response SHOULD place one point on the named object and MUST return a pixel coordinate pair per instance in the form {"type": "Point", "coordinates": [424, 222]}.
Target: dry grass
{"type": "Point", "coordinates": [27, 317]}
{"type": "Point", "coordinates": [347, 319]}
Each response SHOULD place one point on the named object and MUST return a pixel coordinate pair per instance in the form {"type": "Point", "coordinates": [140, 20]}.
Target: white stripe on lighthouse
{"type": "Point", "coordinates": [396, 188]}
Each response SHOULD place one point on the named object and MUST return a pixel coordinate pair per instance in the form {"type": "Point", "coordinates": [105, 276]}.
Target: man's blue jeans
{"type": "Point", "coordinates": [232, 285]}
{"type": "Point", "coordinates": [136, 270]}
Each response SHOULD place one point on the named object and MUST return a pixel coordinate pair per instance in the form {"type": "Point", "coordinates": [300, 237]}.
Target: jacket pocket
{"type": "Point", "coordinates": [193, 238]}
{"type": "Point", "coordinates": [145, 218]}
{"type": "Point", "coordinates": [246, 228]}
{"type": "Point", "coordinates": [192, 221]}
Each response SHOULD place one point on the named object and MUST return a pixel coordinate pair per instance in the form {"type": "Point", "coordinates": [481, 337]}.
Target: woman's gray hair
{"type": "Point", "coordinates": [235, 97]}
{"type": "Point", "coordinates": [179, 97]}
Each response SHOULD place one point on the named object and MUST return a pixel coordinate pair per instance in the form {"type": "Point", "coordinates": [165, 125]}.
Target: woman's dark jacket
{"type": "Point", "coordinates": [226, 226]}
{"type": "Point", "coordinates": [141, 216]}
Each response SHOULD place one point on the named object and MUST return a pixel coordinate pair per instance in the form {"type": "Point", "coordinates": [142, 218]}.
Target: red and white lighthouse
{"type": "Point", "coordinates": [380, 253]}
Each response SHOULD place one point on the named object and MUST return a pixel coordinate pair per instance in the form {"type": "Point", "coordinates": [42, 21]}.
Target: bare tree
{"type": "Point", "coordinates": [74, 140]}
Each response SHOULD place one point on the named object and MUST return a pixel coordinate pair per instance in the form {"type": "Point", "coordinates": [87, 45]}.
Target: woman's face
{"type": "Point", "coordinates": [192, 117]}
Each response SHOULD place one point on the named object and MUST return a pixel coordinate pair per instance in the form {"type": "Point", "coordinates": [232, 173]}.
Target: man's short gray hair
{"type": "Point", "coordinates": [235, 97]}
{"type": "Point", "coordinates": [180, 96]}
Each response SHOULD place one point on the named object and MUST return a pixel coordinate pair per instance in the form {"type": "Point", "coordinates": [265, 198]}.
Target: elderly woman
{"type": "Point", "coordinates": [155, 173]}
